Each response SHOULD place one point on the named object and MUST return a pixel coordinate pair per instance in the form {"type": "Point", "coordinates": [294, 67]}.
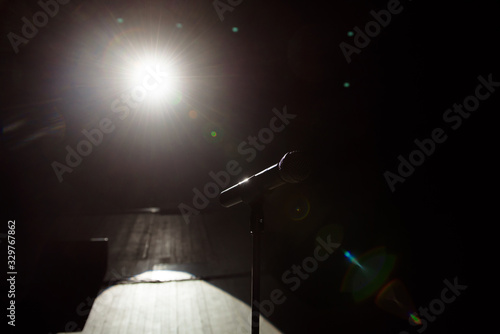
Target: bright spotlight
{"type": "Point", "coordinates": [155, 83]}
{"type": "Point", "coordinates": [149, 71]}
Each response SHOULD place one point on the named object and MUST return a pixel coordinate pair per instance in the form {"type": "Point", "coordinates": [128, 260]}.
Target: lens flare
{"type": "Point", "coordinates": [193, 114]}
{"type": "Point", "coordinates": [33, 124]}
{"type": "Point", "coordinates": [367, 273]}
{"type": "Point", "coordinates": [351, 258]}
{"type": "Point", "coordinates": [415, 319]}
{"type": "Point", "coordinates": [395, 299]}
{"type": "Point", "coordinates": [298, 208]}
{"type": "Point", "coordinates": [213, 133]}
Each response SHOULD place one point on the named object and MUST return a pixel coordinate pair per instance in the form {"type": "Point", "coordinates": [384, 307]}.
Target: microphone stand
{"type": "Point", "coordinates": [256, 228]}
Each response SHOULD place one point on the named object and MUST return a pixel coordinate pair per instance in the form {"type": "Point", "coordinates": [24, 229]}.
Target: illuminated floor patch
{"type": "Point", "coordinates": [174, 307]}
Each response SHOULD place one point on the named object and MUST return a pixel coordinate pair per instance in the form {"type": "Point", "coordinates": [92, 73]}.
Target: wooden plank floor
{"type": "Point", "coordinates": [188, 307]}
{"type": "Point", "coordinates": [140, 243]}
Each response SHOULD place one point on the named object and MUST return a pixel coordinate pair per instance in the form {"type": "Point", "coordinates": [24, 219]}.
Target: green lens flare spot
{"type": "Point", "coordinates": [174, 97]}
{"type": "Point", "coordinates": [347, 85]}
{"type": "Point", "coordinates": [415, 319]}
{"type": "Point", "coordinates": [350, 33]}
{"type": "Point", "coordinates": [177, 98]}
{"type": "Point", "coordinates": [235, 29]}
{"type": "Point", "coordinates": [213, 133]}
{"type": "Point", "coordinates": [298, 208]}
{"type": "Point", "coordinates": [119, 20]}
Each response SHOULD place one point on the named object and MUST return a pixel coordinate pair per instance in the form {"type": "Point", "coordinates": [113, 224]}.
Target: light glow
{"type": "Point", "coordinates": [177, 302]}
{"type": "Point", "coordinates": [154, 76]}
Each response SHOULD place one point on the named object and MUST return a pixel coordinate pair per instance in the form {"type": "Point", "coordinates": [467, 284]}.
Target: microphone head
{"type": "Point", "coordinates": [294, 167]}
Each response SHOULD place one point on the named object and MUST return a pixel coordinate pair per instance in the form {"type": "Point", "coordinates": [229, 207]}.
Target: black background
{"type": "Point", "coordinates": [286, 53]}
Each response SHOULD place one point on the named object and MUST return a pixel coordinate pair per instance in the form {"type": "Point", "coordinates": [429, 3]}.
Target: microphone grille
{"type": "Point", "coordinates": [294, 167]}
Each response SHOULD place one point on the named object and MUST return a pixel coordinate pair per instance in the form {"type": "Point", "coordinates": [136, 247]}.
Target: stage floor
{"type": "Point", "coordinates": [156, 269]}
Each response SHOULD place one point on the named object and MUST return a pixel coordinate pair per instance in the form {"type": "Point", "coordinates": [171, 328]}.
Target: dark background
{"type": "Point", "coordinates": [437, 222]}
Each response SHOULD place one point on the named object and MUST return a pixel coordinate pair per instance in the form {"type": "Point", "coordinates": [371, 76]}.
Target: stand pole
{"type": "Point", "coordinates": [256, 227]}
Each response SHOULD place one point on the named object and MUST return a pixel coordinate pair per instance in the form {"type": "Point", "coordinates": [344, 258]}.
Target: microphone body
{"type": "Point", "coordinates": [292, 168]}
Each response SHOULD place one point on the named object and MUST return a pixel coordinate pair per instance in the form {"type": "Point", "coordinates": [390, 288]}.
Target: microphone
{"type": "Point", "coordinates": [294, 167]}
